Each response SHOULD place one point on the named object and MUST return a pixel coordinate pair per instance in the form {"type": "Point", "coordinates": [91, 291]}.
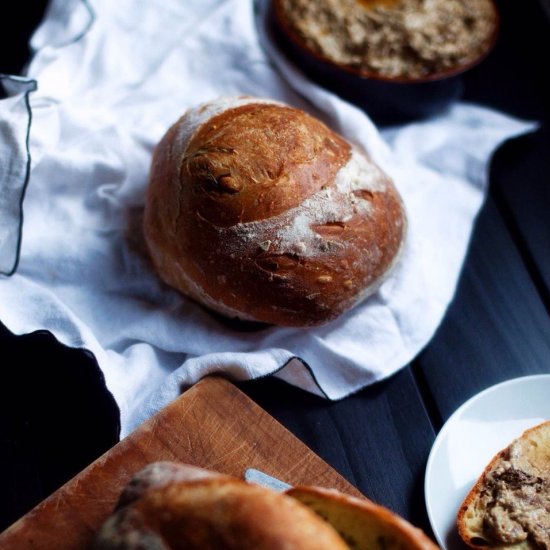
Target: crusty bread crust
{"type": "Point", "coordinates": [468, 532]}
{"type": "Point", "coordinates": [161, 474]}
{"type": "Point", "coordinates": [263, 213]}
{"type": "Point", "coordinates": [213, 512]}
{"type": "Point", "coordinates": [470, 516]}
{"type": "Point", "coordinates": [168, 506]}
{"type": "Point", "coordinates": [363, 524]}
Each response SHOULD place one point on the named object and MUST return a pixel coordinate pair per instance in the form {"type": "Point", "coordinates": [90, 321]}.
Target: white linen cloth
{"type": "Point", "coordinates": [111, 77]}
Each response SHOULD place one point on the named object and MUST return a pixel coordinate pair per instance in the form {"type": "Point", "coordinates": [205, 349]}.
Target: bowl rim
{"type": "Point", "coordinates": [278, 17]}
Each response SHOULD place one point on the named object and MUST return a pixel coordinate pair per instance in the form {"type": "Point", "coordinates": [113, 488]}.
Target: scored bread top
{"type": "Point", "coordinates": [243, 164]}
{"type": "Point", "coordinates": [260, 211]}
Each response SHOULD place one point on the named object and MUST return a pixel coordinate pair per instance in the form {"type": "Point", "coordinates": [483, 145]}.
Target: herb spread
{"type": "Point", "coordinates": [395, 38]}
{"type": "Point", "coordinates": [516, 498]}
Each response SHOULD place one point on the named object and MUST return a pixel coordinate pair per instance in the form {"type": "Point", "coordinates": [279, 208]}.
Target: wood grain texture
{"type": "Point", "coordinates": [523, 195]}
{"type": "Point", "coordinates": [522, 92]}
{"type": "Point", "coordinates": [497, 327]}
{"type": "Point", "coordinates": [212, 425]}
{"type": "Point", "coordinates": [378, 438]}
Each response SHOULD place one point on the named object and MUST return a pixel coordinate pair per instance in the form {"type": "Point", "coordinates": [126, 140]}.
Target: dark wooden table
{"type": "Point", "coordinates": [497, 327]}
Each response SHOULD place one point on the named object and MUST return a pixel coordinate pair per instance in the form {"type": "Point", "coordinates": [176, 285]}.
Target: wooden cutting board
{"type": "Point", "coordinates": [213, 425]}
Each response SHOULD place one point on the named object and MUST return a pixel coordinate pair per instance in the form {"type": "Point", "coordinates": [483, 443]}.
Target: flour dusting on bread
{"type": "Point", "coordinates": [196, 117]}
{"type": "Point", "coordinates": [259, 211]}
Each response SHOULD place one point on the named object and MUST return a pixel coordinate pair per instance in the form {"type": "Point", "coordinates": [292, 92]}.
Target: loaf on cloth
{"type": "Point", "coordinates": [260, 212]}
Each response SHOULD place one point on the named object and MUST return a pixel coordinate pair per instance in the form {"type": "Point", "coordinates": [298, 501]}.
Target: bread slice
{"type": "Point", "coordinates": [509, 505]}
{"type": "Point", "coordinates": [170, 506]}
{"type": "Point", "coordinates": [363, 524]}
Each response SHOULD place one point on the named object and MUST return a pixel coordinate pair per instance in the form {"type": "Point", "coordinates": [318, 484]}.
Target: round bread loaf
{"type": "Point", "coordinates": [261, 212]}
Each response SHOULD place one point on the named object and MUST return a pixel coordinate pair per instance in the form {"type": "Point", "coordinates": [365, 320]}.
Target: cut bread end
{"type": "Point", "coordinates": [363, 524]}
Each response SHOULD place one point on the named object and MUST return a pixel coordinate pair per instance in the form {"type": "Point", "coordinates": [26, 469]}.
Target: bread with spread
{"type": "Point", "coordinates": [259, 211]}
{"type": "Point", "coordinates": [509, 505]}
{"type": "Point", "coordinates": [171, 506]}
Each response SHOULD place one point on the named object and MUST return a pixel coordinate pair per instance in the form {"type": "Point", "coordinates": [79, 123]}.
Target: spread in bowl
{"type": "Point", "coordinates": [395, 58]}
{"type": "Point", "coordinates": [394, 38]}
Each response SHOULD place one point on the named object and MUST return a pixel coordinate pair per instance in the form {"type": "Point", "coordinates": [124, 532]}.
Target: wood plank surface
{"type": "Point", "coordinates": [522, 191]}
{"type": "Point", "coordinates": [512, 79]}
{"type": "Point", "coordinates": [497, 327]}
{"type": "Point", "coordinates": [212, 425]}
{"type": "Point", "coordinates": [378, 438]}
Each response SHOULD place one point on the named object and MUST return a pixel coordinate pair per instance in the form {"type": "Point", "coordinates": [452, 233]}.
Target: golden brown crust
{"type": "Point", "coordinates": [266, 214]}
{"type": "Point", "coordinates": [256, 161]}
{"type": "Point", "coordinates": [363, 524]}
{"type": "Point", "coordinates": [169, 506]}
{"type": "Point", "coordinates": [221, 513]}
{"type": "Point", "coordinates": [161, 474]}
{"type": "Point", "coordinates": [470, 499]}
{"type": "Point", "coordinates": [532, 450]}
{"type": "Point", "coordinates": [233, 514]}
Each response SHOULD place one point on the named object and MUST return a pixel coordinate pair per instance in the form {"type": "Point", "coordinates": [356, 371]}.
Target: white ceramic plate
{"type": "Point", "coordinates": [475, 432]}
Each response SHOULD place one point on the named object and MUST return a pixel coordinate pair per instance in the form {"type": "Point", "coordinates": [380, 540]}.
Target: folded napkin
{"type": "Point", "coordinates": [110, 78]}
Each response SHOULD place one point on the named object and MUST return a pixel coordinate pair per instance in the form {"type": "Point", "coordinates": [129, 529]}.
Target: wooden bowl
{"type": "Point", "coordinates": [387, 100]}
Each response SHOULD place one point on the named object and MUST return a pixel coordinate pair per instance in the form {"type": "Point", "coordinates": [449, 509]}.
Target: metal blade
{"type": "Point", "coordinates": [261, 478]}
